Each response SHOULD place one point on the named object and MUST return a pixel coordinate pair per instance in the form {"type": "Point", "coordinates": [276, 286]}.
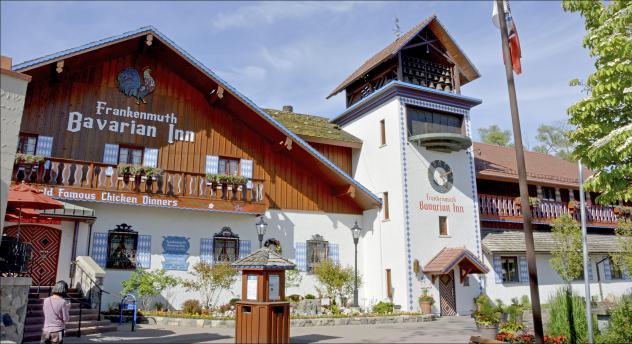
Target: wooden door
{"type": "Point", "coordinates": [45, 253]}
{"type": "Point", "coordinates": [447, 294]}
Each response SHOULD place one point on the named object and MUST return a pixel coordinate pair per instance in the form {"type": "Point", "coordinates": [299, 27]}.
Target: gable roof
{"type": "Point", "coordinates": [448, 257]}
{"type": "Point", "coordinates": [468, 70]}
{"type": "Point", "coordinates": [312, 128]}
{"type": "Point", "coordinates": [365, 198]}
{"type": "Point", "coordinates": [500, 162]}
{"type": "Point", "coordinates": [513, 241]}
{"type": "Point", "coordinates": [263, 258]}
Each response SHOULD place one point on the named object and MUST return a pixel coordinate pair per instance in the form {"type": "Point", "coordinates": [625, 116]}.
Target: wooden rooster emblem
{"type": "Point", "coordinates": [129, 83]}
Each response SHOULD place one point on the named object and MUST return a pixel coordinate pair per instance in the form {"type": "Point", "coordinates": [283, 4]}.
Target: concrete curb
{"type": "Point", "coordinates": [207, 323]}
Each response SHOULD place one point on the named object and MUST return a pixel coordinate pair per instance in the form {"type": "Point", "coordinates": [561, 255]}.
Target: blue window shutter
{"type": "Point", "coordinates": [300, 253]}
{"type": "Point", "coordinates": [625, 274]}
{"type": "Point", "coordinates": [99, 248]}
{"type": "Point", "coordinates": [144, 251]}
{"type": "Point", "coordinates": [523, 269]}
{"type": "Point", "coordinates": [44, 146]}
{"type": "Point", "coordinates": [590, 272]}
{"type": "Point", "coordinates": [244, 248]}
{"type": "Point", "coordinates": [498, 269]}
{"type": "Point", "coordinates": [150, 157]}
{"type": "Point", "coordinates": [333, 254]}
{"type": "Point", "coordinates": [606, 270]}
{"type": "Point", "coordinates": [212, 162]}
{"type": "Point", "coordinates": [245, 167]}
{"type": "Point", "coordinates": [206, 250]}
{"type": "Point", "coordinates": [110, 154]}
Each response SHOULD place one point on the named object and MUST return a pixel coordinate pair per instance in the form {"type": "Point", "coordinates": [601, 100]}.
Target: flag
{"type": "Point", "coordinates": [512, 33]}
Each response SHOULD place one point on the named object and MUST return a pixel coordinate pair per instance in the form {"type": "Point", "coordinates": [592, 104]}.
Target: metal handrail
{"type": "Point", "coordinates": [93, 284]}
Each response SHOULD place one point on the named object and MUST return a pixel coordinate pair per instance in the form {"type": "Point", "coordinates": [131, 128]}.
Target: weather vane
{"type": "Point", "coordinates": [397, 30]}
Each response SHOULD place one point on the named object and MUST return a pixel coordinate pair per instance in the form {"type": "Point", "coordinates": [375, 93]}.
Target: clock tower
{"type": "Point", "coordinates": [405, 103]}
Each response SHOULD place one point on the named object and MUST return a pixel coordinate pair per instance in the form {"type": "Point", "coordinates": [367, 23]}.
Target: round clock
{"type": "Point", "coordinates": [440, 176]}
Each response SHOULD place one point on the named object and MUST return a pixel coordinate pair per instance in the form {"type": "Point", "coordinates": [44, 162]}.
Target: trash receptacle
{"type": "Point", "coordinates": [262, 315]}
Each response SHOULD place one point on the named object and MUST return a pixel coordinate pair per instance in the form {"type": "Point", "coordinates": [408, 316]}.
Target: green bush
{"type": "Point", "coordinates": [487, 313]}
{"type": "Point", "coordinates": [620, 329]}
{"type": "Point", "coordinates": [567, 316]}
{"type": "Point", "coordinates": [233, 301]}
{"type": "Point", "coordinates": [309, 297]}
{"type": "Point", "coordinates": [192, 306]}
{"type": "Point", "coordinates": [148, 284]}
{"type": "Point", "coordinates": [294, 298]}
{"type": "Point", "coordinates": [337, 280]}
{"type": "Point", "coordinates": [383, 308]}
{"type": "Point", "coordinates": [335, 310]}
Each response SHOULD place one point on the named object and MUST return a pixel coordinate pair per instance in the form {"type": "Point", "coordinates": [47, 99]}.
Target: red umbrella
{"type": "Point", "coordinates": [23, 196]}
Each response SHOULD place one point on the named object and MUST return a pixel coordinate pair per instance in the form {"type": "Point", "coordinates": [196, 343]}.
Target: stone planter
{"type": "Point", "coordinates": [488, 331]}
{"type": "Point", "coordinates": [308, 307]}
{"type": "Point", "coordinates": [426, 307]}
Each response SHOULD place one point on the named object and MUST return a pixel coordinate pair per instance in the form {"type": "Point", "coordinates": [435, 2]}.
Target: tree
{"type": "Point", "coordinates": [210, 281]}
{"type": "Point", "coordinates": [603, 138]}
{"type": "Point", "coordinates": [567, 257]}
{"type": "Point", "coordinates": [553, 139]}
{"type": "Point", "coordinates": [338, 281]}
{"type": "Point", "coordinates": [495, 136]}
{"type": "Point", "coordinates": [623, 259]}
{"type": "Point", "coordinates": [293, 278]}
{"type": "Point", "coordinates": [148, 284]}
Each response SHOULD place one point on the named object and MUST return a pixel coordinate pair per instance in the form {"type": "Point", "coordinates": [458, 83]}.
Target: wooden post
{"type": "Point", "coordinates": [522, 178]}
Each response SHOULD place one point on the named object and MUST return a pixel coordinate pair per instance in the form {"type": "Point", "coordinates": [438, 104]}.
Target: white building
{"type": "Point", "coordinates": [399, 161]}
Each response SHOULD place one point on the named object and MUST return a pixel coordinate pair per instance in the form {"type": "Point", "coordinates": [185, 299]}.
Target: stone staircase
{"type": "Point", "coordinates": [35, 316]}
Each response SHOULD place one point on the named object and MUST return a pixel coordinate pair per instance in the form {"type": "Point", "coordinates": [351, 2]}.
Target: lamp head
{"type": "Point", "coordinates": [261, 225]}
{"type": "Point", "coordinates": [356, 230]}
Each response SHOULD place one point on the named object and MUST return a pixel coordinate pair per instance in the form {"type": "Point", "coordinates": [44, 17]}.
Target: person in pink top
{"type": "Point", "coordinates": [56, 314]}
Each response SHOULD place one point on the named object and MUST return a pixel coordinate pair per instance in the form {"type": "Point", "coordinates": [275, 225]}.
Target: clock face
{"type": "Point", "coordinates": [440, 176]}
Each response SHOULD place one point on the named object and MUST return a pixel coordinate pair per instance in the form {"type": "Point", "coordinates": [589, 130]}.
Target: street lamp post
{"type": "Point", "coordinates": [355, 231]}
{"type": "Point", "coordinates": [261, 229]}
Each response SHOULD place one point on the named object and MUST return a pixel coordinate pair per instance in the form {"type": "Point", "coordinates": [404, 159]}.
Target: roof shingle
{"type": "Point", "coordinates": [513, 241]}
{"type": "Point", "coordinates": [264, 258]}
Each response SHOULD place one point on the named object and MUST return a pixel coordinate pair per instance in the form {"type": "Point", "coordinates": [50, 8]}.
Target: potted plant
{"type": "Point", "coordinates": [123, 171]}
{"type": "Point", "coordinates": [425, 302]}
{"type": "Point", "coordinates": [152, 174]}
{"type": "Point", "coordinates": [28, 159]}
{"type": "Point", "coordinates": [487, 317]}
{"type": "Point", "coordinates": [572, 205]}
{"type": "Point", "coordinates": [533, 201]}
{"type": "Point", "coordinates": [237, 181]}
{"type": "Point", "coordinates": [223, 181]}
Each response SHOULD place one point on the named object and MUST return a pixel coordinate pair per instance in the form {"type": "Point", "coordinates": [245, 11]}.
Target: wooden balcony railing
{"type": "Point", "coordinates": [504, 208]}
{"type": "Point", "coordinates": [100, 176]}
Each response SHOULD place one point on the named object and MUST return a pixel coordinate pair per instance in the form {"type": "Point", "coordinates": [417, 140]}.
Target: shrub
{"type": "Point", "coordinates": [233, 301]}
{"type": "Point", "coordinates": [336, 279]}
{"type": "Point", "coordinates": [383, 308]}
{"type": "Point", "coordinates": [294, 298]}
{"type": "Point", "coordinates": [192, 306]}
{"type": "Point", "coordinates": [210, 281]}
{"type": "Point", "coordinates": [159, 306]}
{"type": "Point", "coordinates": [335, 310]}
{"type": "Point", "coordinates": [487, 313]}
{"type": "Point", "coordinates": [567, 316]}
{"type": "Point", "coordinates": [147, 284]}
{"type": "Point", "coordinates": [525, 301]}
{"type": "Point", "coordinates": [512, 327]}
{"type": "Point", "coordinates": [309, 297]}
{"type": "Point", "coordinates": [620, 329]}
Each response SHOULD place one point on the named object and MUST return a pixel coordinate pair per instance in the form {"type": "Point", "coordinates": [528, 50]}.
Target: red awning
{"type": "Point", "coordinates": [24, 196]}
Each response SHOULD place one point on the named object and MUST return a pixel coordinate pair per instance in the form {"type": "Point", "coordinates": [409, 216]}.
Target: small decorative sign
{"type": "Point", "coordinates": [273, 287]}
{"type": "Point", "coordinates": [175, 262]}
{"type": "Point", "coordinates": [176, 252]}
{"type": "Point", "coordinates": [251, 288]}
{"type": "Point", "coordinates": [175, 244]}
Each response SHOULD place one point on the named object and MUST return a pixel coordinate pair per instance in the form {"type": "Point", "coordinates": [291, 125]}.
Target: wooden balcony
{"type": "Point", "coordinates": [93, 181]}
{"type": "Point", "coordinates": [503, 208]}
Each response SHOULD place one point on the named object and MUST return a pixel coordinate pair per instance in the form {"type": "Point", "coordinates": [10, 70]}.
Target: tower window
{"type": "Point", "coordinates": [443, 225]}
{"type": "Point", "coordinates": [382, 132]}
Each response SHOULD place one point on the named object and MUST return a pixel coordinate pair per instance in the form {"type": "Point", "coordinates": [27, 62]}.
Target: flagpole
{"type": "Point", "coordinates": [582, 203]}
{"type": "Point", "coordinates": [522, 179]}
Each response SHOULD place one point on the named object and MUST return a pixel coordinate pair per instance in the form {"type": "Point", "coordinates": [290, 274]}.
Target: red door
{"type": "Point", "coordinates": [45, 242]}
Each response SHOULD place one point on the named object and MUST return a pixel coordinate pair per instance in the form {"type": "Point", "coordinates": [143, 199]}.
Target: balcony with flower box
{"type": "Point", "coordinates": [507, 209]}
{"type": "Point", "coordinates": [135, 185]}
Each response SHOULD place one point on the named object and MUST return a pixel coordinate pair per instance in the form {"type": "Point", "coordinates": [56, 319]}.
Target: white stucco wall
{"type": "Point", "coordinates": [550, 282]}
{"type": "Point", "coordinates": [286, 226]}
{"type": "Point", "coordinates": [378, 167]}
{"type": "Point", "coordinates": [12, 91]}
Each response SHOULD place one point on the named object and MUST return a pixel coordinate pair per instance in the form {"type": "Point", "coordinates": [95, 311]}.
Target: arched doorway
{"type": "Point", "coordinates": [45, 254]}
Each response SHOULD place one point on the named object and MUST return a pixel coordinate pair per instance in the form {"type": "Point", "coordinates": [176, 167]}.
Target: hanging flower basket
{"type": "Point", "coordinates": [276, 243]}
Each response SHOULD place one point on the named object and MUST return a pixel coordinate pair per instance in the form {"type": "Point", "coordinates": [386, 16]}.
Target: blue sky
{"type": "Point", "coordinates": [295, 53]}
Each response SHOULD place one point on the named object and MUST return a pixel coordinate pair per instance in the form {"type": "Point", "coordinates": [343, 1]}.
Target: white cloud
{"type": "Point", "coordinates": [271, 12]}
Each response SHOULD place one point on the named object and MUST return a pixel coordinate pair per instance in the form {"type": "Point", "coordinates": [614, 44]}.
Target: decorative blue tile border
{"type": "Point", "coordinates": [475, 205]}
{"type": "Point", "coordinates": [409, 269]}
{"type": "Point", "coordinates": [435, 106]}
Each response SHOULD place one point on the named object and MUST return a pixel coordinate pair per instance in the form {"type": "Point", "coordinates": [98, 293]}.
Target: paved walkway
{"type": "Point", "coordinates": [443, 330]}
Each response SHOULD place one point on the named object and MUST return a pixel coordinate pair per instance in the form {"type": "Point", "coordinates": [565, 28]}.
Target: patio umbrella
{"type": "Point", "coordinates": [23, 196]}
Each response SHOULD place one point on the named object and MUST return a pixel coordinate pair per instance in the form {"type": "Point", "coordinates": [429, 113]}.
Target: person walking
{"type": "Point", "coordinates": [56, 314]}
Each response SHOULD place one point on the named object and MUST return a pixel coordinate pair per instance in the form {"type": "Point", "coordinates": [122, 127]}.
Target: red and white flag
{"type": "Point", "coordinates": [512, 33]}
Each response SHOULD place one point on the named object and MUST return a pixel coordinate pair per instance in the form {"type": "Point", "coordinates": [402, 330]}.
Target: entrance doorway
{"type": "Point", "coordinates": [45, 242]}
{"type": "Point", "coordinates": [447, 294]}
